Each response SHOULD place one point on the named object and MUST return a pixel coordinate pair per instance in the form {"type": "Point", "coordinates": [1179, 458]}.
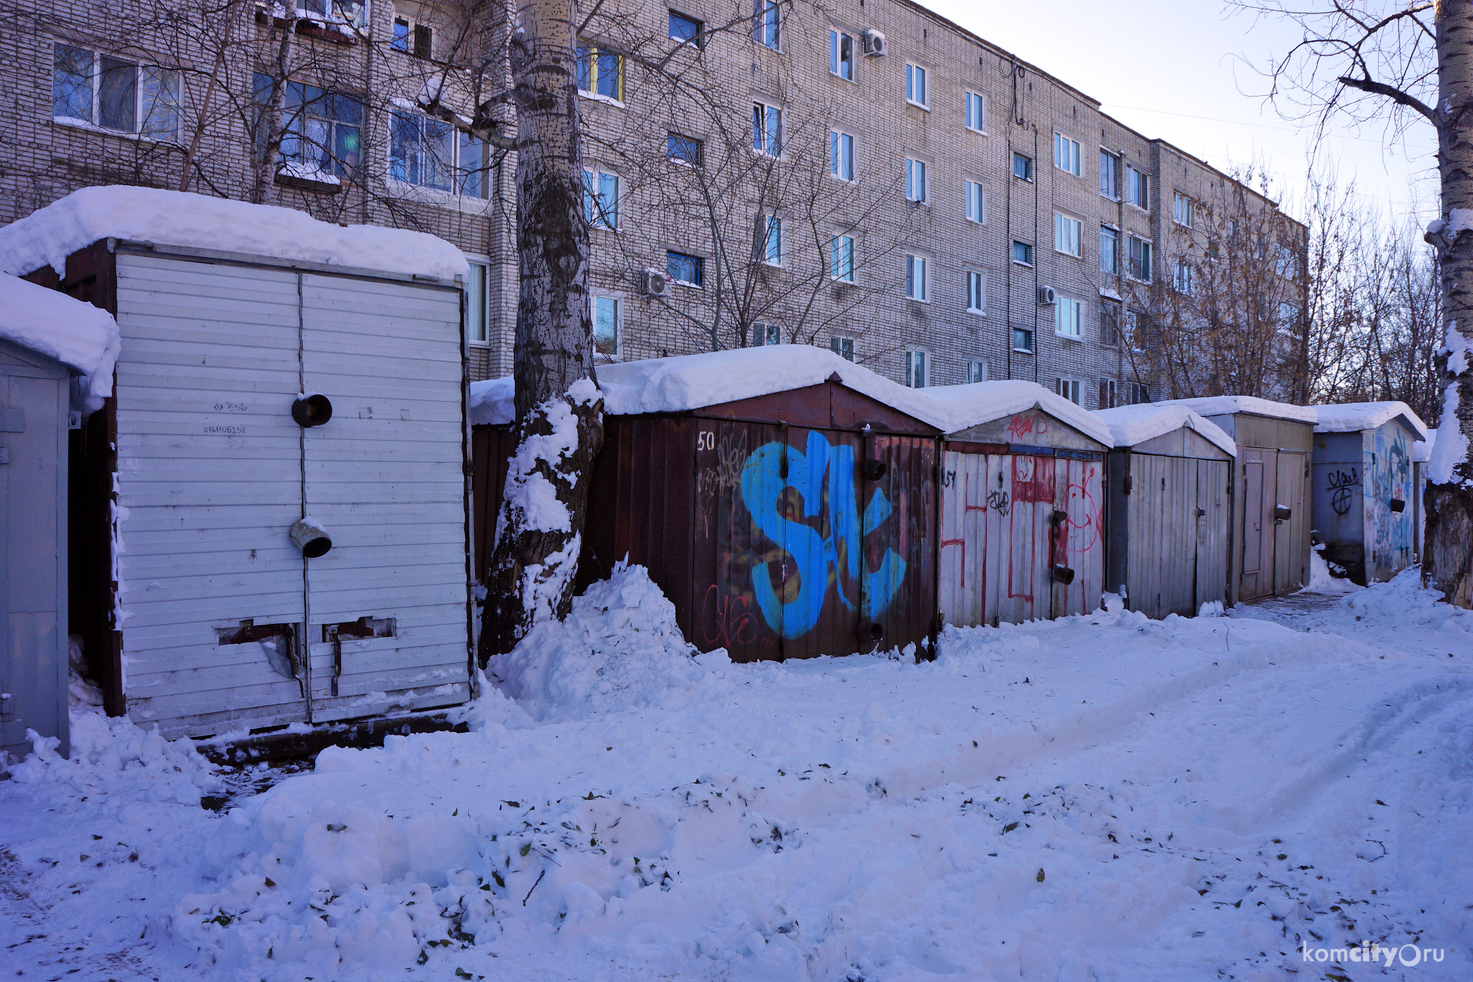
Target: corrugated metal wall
{"type": "Point", "coordinates": [1176, 534]}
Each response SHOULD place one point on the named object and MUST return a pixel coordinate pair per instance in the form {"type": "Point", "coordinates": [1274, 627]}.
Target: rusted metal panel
{"type": "Point", "coordinates": [491, 450]}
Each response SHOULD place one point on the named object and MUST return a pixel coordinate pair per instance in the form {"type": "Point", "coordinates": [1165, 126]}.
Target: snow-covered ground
{"type": "Point", "coordinates": [1103, 797]}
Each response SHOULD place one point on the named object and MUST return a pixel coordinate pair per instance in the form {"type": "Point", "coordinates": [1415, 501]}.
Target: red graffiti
{"type": "Point", "coordinates": [1025, 425]}
{"type": "Point", "coordinates": [963, 544]}
{"type": "Point", "coordinates": [1084, 516]}
{"type": "Point", "coordinates": [1033, 480]}
{"type": "Point", "coordinates": [735, 624]}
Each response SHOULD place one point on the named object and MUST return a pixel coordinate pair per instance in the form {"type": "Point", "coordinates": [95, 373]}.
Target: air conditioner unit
{"type": "Point", "coordinates": [875, 44]}
{"type": "Point", "coordinates": [1046, 296]}
{"type": "Point", "coordinates": [654, 282]}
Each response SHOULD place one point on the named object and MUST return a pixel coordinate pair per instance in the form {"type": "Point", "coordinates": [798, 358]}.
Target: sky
{"type": "Point", "coordinates": [1184, 71]}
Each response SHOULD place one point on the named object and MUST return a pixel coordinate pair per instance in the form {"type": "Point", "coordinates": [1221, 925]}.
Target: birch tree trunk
{"type": "Point", "coordinates": [559, 410]}
{"type": "Point", "coordinates": [1449, 496]}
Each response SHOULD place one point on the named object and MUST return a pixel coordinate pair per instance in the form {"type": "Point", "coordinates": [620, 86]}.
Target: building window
{"type": "Point", "coordinates": [767, 129]}
{"type": "Point", "coordinates": [841, 155]}
{"type": "Point", "coordinates": [684, 268]}
{"type": "Point", "coordinates": [1181, 209]}
{"type": "Point", "coordinates": [841, 55]}
{"type": "Point", "coordinates": [1138, 393]}
{"type": "Point", "coordinates": [1137, 188]}
{"type": "Point", "coordinates": [976, 292]}
{"type": "Point", "coordinates": [768, 333]}
{"type": "Point", "coordinates": [770, 235]}
{"type": "Point", "coordinates": [843, 347]}
{"type": "Point", "coordinates": [1022, 167]}
{"type": "Point", "coordinates": [976, 203]}
{"type": "Point", "coordinates": [684, 149]}
{"type": "Point", "coordinates": [1285, 264]}
{"type": "Point", "coordinates": [841, 258]}
{"type": "Point", "coordinates": [423, 36]}
{"type": "Point", "coordinates": [1068, 388]}
{"type": "Point", "coordinates": [478, 303]}
{"type": "Point", "coordinates": [915, 368]}
{"type": "Point", "coordinates": [320, 129]}
{"type": "Point", "coordinates": [605, 325]}
{"type": "Point", "coordinates": [915, 180]}
{"type": "Point", "coordinates": [1136, 326]}
{"type": "Point", "coordinates": [1109, 250]}
{"type": "Point", "coordinates": [1109, 175]}
{"type": "Point", "coordinates": [104, 91]}
{"type": "Point", "coordinates": [1109, 322]}
{"type": "Point", "coordinates": [917, 277]}
{"type": "Point", "coordinates": [976, 370]}
{"type": "Point", "coordinates": [683, 28]}
{"type": "Point", "coordinates": [430, 153]}
{"type": "Point", "coordinates": [1022, 253]}
{"type": "Point", "coordinates": [400, 40]}
{"type": "Point", "coordinates": [1066, 155]}
{"type": "Point", "coordinates": [1023, 340]}
{"type": "Point", "coordinates": [1181, 278]}
{"type": "Point", "coordinates": [1067, 318]}
{"type": "Point", "coordinates": [1068, 235]}
{"type": "Point", "coordinates": [601, 198]}
{"type": "Point", "coordinates": [1139, 258]}
{"type": "Point", "coordinates": [915, 86]}
{"type": "Point", "coordinates": [976, 112]}
{"type": "Point", "coordinates": [600, 72]}
{"type": "Point", "coordinates": [767, 23]}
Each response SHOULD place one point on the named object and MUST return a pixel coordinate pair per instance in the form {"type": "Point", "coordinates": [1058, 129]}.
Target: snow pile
{"type": "Point", "coordinates": [1133, 425]}
{"type": "Point", "coordinates": [493, 401]}
{"type": "Point", "coordinates": [1404, 600]}
{"type": "Point", "coordinates": [1228, 405]}
{"type": "Point", "coordinates": [1320, 578]}
{"type": "Point", "coordinates": [620, 648]}
{"type": "Point", "coordinates": [1422, 449]}
{"type": "Point", "coordinates": [1451, 448]}
{"type": "Point", "coordinates": [1350, 417]}
{"type": "Point", "coordinates": [174, 218]}
{"type": "Point", "coordinates": [76, 334]}
{"type": "Point", "coordinates": [112, 754]}
{"type": "Point", "coordinates": [959, 407]}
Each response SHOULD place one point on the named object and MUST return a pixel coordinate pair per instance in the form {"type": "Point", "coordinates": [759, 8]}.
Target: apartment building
{"type": "Point", "coordinates": [871, 177]}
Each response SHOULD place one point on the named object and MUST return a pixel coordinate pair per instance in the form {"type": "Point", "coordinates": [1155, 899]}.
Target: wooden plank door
{"type": "Point", "coordinates": [1256, 578]}
{"type": "Point", "coordinates": [1291, 535]}
{"type": "Point", "coordinates": [964, 543]}
{"type": "Point", "coordinates": [1212, 520]}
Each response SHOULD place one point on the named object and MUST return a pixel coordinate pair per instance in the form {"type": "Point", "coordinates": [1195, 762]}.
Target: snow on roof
{"type": "Point", "coordinates": [1352, 416]}
{"type": "Point", "coordinates": [1133, 425]}
{"type": "Point", "coordinates": [1228, 405]}
{"type": "Point", "coordinates": [1422, 449]}
{"type": "Point", "coordinates": [493, 402]}
{"type": "Point", "coordinates": [48, 236]}
{"type": "Point", "coordinates": [76, 334]}
{"type": "Point", "coordinates": [962, 406]}
{"type": "Point", "coordinates": [665, 385]}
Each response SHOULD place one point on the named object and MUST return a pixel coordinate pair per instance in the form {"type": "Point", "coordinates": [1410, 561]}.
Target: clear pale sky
{"type": "Point", "coordinates": [1179, 70]}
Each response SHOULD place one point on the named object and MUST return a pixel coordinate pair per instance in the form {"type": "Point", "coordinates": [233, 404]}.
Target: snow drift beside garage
{"type": "Point", "coordinates": [76, 334]}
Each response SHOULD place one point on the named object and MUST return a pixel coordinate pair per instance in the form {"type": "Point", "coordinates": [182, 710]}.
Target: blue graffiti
{"type": "Point", "coordinates": [822, 474]}
{"type": "Point", "coordinates": [1391, 480]}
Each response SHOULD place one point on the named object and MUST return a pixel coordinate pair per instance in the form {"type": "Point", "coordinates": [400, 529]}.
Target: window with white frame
{"type": "Point", "coordinates": [1109, 250]}
{"type": "Point", "coordinates": [1109, 175]}
{"type": "Point", "coordinates": [115, 94]}
{"type": "Point", "coordinates": [600, 71]}
{"type": "Point", "coordinates": [601, 198]}
{"type": "Point", "coordinates": [686, 28]}
{"type": "Point", "coordinates": [841, 55]}
{"type": "Point", "coordinates": [1068, 235]}
{"type": "Point", "coordinates": [767, 23]}
{"type": "Point", "coordinates": [605, 325]}
{"type": "Point", "coordinates": [843, 347]}
{"type": "Point", "coordinates": [1022, 253]}
{"type": "Point", "coordinates": [412, 38]}
{"type": "Point", "coordinates": [1109, 322]}
{"type": "Point", "coordinates": [1138, 257]}
{"type": "Point", "coordinates": [770, 237]}
{"type": "Point", "coordinates": [915, 181]}
{"type": "Point", "coordinates": [1284, 262]}
{"type": "Point", "coordinates": [321, 130]}
{"type": "Point", "coordinates": [915, 86]}
{"type": "Point", "coordinates": [841, 155]}
{"type": "Point", "coordinates": [1022, 167]}
{"type": "Point", "coordinates": [767, 129]}
{"type": "Point", "coordinates": [916, 368]}
{"type": "Point", "coordinates": [478, 303]}
{"type": "Point", "coordinates": [976, 370]}
{"type": "Point", "coordinates": [1069, 388]}
{"type": "Point", "coordinates": [841, 258]}
{"type": "Point", "coordinates": [1137, 187]}
{"type": "Point", "coordinates": [976, 292]}
{"type": "Point", "coordinates": [1067, 319]}
{"type": "Point", "coordinates": [917, 277]}
{"type": "Point", "coordinates": [764, 334]}
{"type": "Point", "coordinates": [976, 112]}
{"type": "Point", "coordinates": [1138, 393]}
{"type": "Point", "coordinates": [976, 203]}
{"type": "Point", "coordinates": [1023, 340]}
{"type": "Point", "coordinates": [1181, 278]}
{"type": "Point", "coordinates": [1181, 209]}
{"type": "Point", "coordinates": [682, 267]}
{"type": "Point", "coordinates": [1066, 155]}
{"type": "Point", "coordinates": [430, 153]}
{"type": "Point", "coordinates": [684, 149]}
{"type": "Point", "coordinates": [1135, 326]}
